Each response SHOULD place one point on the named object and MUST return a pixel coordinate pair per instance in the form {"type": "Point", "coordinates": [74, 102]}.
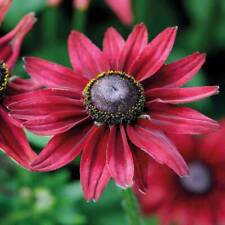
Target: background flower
{"type": "Point", "coordinates": [190, 200]}
{"type": "Point", "coordinates": [122, 8]}
{"type": "Point", "coordinates": [12, 139]}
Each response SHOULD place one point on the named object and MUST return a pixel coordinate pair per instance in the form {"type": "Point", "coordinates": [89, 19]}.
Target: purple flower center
{"type": "Point", "coordinates": [199, 181]}
{"type": "Point", "coordinates": [114, 97]}
{"type": "Point", "coordinates": [4, 73]}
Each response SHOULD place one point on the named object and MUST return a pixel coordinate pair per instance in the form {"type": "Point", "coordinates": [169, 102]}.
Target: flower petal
{"type": "Point", "coordinates": [157, 145]}
{"type": "Point", "coordinates": [54, 123]}
{"type": "Point", "coordinates": [119, 157]}
{"type": "Point", "coordinates": [94, 173]}
{"type": "Point", "coordinates": [81, 4]}
{"type": "Point", "coordinates": [180, 120]}
{"type": "Point", "coordinates": [53, 75]}
{"type": "Point", "coordinates": [211, 147]}
{"type": "Point", "coordinates": [141, 162]}
{"type": "Point", "coordinates": [177, 73]}
{"type": "Point", "coordinates": [10, 43]}
{"type": "Point", "coordinates": [4, 7]}
{"type": "Point", "coordinates": [14, 142]}
{"type": "Point", "coordinates": [18, 85]}
{"type": "Point", "coordinates": [154, 55]}
{"type": "Point", "coordinates": [54, 3]}
{"type": "Point", "coordinates": [122, 9]}
{"type": "Point", "coordinates": [181, 95]}
{"type": "Point", "coordinates": [134, 45]}
{"type": "Point", "coordinates": [51, 92]}
{"type": "Point", "coordinates": [85, 56]}
{"type": "Point", "coordinates": [45, 112]}
{"type": "Point", "coordinates": [62, 149]}
{"type": "Point", "coordinates": [186, 144]}
{"type": "Point", "coordinates": [112, 45]}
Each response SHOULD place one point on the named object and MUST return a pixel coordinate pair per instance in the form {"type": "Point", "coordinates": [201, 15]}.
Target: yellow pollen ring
{"type": "Point", "coordinates": [103, 116]}
{"type": "Point", "coordinates": [4, 72]}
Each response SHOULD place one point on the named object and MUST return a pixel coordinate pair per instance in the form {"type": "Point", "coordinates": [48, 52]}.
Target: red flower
{"type": "Point", "coordinates": [12, 138]}
{"type": "Point", "coordinates": [115, 119]}
{"type": "Point", "coordinates": [11, 42]}
{"type": "Point", "coordinates": [122, 8]}
{"type": "Point", "coordinates": [197, 199]}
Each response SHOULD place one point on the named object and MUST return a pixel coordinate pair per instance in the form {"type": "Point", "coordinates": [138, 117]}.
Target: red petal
{"type": "Point", "coordinates": [54, 3]}
{"type": "Point", "coordinates": [178, 73]}
{"type": "Point", "coordinates": [94, 173]}
{"type": "Point", "coordinates": [4, 7]}
{"type": "Point", "coordinates": [62, 149]}
{"type": "Point", "coordinates": [14, 142]}
{"type": "Point", "coordinates": [119, 157]}
{"type": "Point", "coordinates": [135, 43]}
{"type": "Point", "coordinates": [154, 55]}
{"type": "Point", "coordinates": [81, 4]}
{"type": "Point", "coordinates": [112, 46]}
{"type": "Point", "coordinates": [186, 144]}
{"type": "Point", "coordinates": [85, 56]}
{"type": "Point", "coordinates": [122, 9]}
{"type": "Point", "coordinates": [141, 162]}
{"type": "Point", "coordinates": [18, 85]}
{"type": "Point", "coordinates": [44, 98]}
{"type": "Point", "coordinates": [180, 120]}
{"type": "Point", "coordinates": [211, 147]}
{"type": "Point", "coordinates": [46, 113]}
{"type": "Point", "coordinates": [14, 39]}
{"type": "Point", "coordinates": [55, 123]}
{"type": "Point", "coordinates": [157, 145]}
{"type": "Point", "coordinates": [46, 93]}
{"type": "Point", "coordinates": [181, 95]}
{"type": "Point", "coordinates": [53, 75]}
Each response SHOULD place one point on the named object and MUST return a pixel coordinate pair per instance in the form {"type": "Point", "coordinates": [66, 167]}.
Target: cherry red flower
{"type": "Point", "coordinates": [197, 199]}
{"type": "Point", "coordinates": [11, 42]}
{"type": "Point", "coordinates": [12, 138]}
{"type": "Point", "coordinates": [114, 107]}
{"type": "Point", "coordinates": [122, 8]}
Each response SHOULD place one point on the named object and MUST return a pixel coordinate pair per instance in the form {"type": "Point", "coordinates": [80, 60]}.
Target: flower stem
{"type": "Point", "coordinates": [79, 19]}
{"type": "Point", "coordinates": [131, 207]}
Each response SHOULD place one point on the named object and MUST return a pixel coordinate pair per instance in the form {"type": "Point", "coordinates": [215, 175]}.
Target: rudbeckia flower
{"type": "Point", "coordinates": [12, 138]}
{"type": "Point", "coordinates": [198, 198]}
{"type": "Point", "coordinates": [122, 8]}
{"type": "Point", "coordinates": [114, 107]}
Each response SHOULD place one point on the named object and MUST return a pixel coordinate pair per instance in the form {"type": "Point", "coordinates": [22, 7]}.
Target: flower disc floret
{"type": "Point", "coordinates": [114, 97]}
{"type": "Point", "coordinates": [4, 74]}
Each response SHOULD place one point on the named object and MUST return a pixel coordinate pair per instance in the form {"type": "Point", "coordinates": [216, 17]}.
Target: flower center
{"type": "Point", "coordinates": [199, 181]}
{"type": "Point", "coordinates": [4, 74]}
{"type": "Point", "coordinates": [114, 97]}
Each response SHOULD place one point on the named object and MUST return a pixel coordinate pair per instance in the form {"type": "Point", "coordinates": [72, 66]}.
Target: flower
{"type": "Point", "coordinates": [11, 42]}
{"type": "Point", "coordinates": [113, 107]}
{"type": "Point", "coordinates": [12, 138]}
{"type": "Point", "coordinates": [122, 8]}
{"type": "Point", "coordinates": [54, 3]}
{"type": "Point", "coordinates": [197, 199]}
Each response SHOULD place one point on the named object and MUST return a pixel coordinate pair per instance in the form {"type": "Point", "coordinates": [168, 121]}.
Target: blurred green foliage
{"type": "Point", "coordinates": [56, 198]}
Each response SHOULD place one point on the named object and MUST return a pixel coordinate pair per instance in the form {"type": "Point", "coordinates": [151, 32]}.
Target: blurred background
{"type": "Point", "coordinates": [56, 198]}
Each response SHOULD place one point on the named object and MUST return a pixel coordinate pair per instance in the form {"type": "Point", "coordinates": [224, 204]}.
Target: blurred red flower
{"type": "Point", "coordinates": [197, 199]}
{"type": "Point", "coordinates": [122, 8]}
{"type": "Point", "coordinates": [115, 119]}
{"type": "Point", "coordinates": [12, 138]}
